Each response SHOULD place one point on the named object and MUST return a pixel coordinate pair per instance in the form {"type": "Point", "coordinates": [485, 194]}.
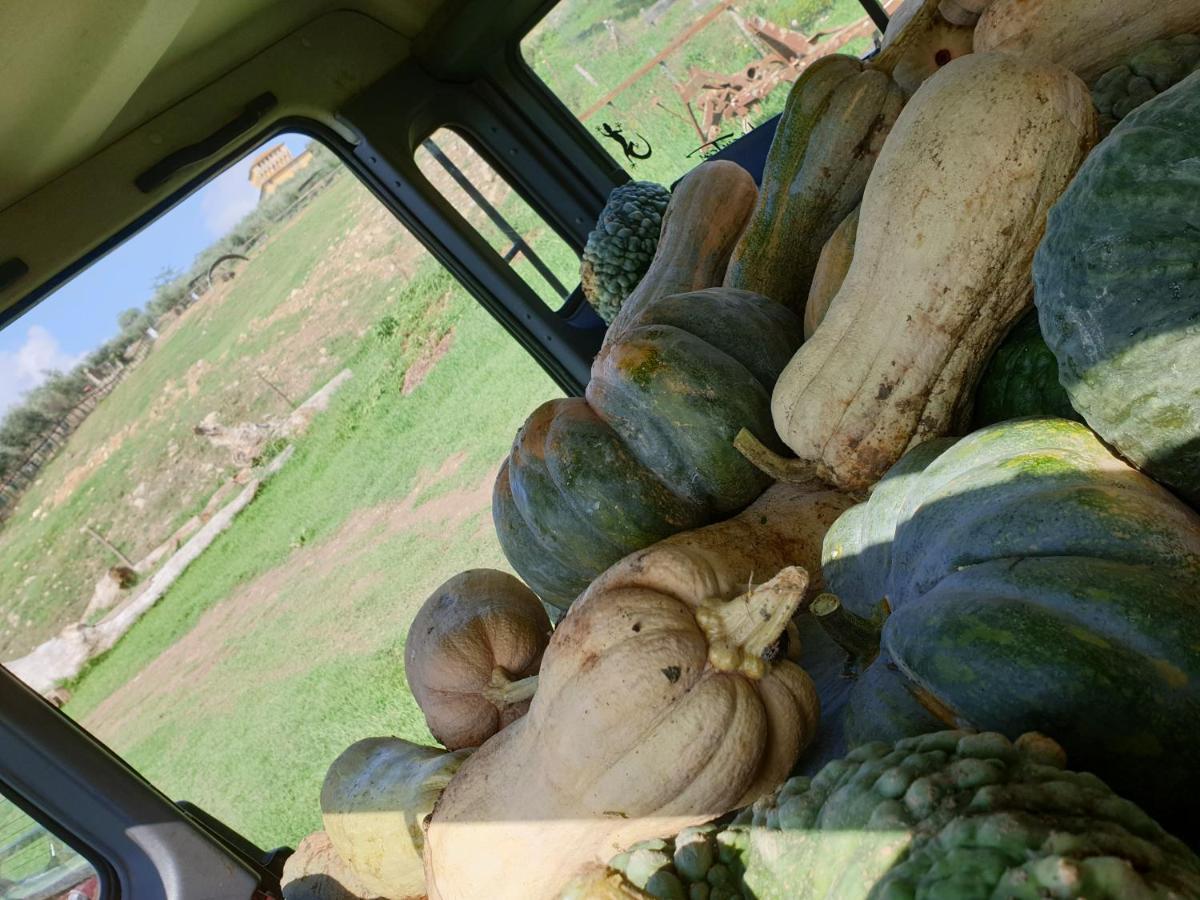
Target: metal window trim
{"type": "Point", "coordinates": [151, 848]}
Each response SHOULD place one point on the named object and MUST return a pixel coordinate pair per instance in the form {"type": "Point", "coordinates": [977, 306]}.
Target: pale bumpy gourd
{"type": "Point", "coordinates": [1087, 36]}
{"type": "Point", "coordinates": [472, 655]}
{"type": "Point", "coordinates": [375, 801]}
{"type": "Point", "coordinates": [655, 708]}
{"type": "Point", "coordinates": [950, 220]}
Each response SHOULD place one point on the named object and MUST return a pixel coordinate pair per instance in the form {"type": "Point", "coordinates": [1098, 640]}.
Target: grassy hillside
{"type": "Point", "coordinates": [134, 470]}
{"type": "Point", "coordinates": [284, 642]}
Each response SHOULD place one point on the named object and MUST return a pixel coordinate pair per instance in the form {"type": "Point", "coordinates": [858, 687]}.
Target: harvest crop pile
{"type": "Point", "coordinates": [874, 538]}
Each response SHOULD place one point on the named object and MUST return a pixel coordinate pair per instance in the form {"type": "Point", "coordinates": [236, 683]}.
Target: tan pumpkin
{"type": "Point", "coordinates": [655, 707]}
{"type": "Point", "coordinates": [316, 872]}
{"type": "Point", "coordinates": [1088, 37]}
{"type": "Point", "coordinates": [831, 271]}
{"type": "Point", "coordinates": [375, 802]}
{"type": "Point", "coordinates": [708, 210]}
{"type": "Point", "coordinates": [472, 655]}
{"type": "Point", "coordinates": [942, 263]}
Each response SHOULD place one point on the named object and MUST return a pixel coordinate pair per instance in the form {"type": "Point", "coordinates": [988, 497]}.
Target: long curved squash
{"type": "Point", "coordinates": [949, 223]}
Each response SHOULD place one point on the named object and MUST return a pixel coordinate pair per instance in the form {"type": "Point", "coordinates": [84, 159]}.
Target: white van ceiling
{"type": "Point", "coordinates": [77, 75]}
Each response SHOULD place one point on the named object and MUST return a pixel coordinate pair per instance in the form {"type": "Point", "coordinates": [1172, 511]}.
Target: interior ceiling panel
{"type": "Point", "coordinates": [76, 76]}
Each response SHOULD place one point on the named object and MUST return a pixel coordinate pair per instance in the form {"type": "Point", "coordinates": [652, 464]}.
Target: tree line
{"type": "Point", "coordinates": [28, 422]}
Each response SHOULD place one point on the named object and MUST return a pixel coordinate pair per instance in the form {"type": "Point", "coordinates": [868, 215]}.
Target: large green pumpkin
{"type": "Point", "coordinates": [1021, 379]}
{"type": "Point", "coordinates": [1031, 581]}
{"type": "Point", "coordinates": [649, 452]}
{"type": "Point", "coordinates": [1118, 288]}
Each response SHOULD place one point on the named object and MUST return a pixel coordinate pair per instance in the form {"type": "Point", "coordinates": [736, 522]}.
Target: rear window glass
{"type": "Point", "coordinates": [37, 865]}
{"type": "Point", "coordinates": [663, 83]}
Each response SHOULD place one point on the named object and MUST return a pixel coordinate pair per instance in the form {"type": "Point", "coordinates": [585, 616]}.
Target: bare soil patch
{"type": "Point", "coordinates": [423, 364]}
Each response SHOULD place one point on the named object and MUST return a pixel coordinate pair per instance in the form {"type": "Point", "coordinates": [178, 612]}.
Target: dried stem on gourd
{"type": "Point", "coordinates": [767, 461]}
{"type": "Point", "coordinates": [740, 630]}
{"type": "Point", "coordinates": [857, 636]}
{"type": "Point", "coordinates": [503, 692]}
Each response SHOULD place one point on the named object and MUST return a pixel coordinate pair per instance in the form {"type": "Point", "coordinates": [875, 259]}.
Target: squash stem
{"type": "Point", "coordinates": [503, 692]}
{"type": "Point", "coordinates": [857, 636]}
{"type": "Point", "coordinates": [767, 461]}
{"type": "Point", "coordinates": [740, 630]}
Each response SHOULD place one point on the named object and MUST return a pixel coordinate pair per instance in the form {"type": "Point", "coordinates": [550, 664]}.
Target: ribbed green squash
{"type": "Point", "coordinates": [1034, 582]}
{"type": "Point", "coordinates": [943, 815]}
{"type": "Point", "coordinates": [833, 126]}
{"type": "Point", "coordinates": [1118, 288]}
{"type": "Point", "coordinates": [649, 452]}
{"type": "Point", "coordinates": [1021, 379]}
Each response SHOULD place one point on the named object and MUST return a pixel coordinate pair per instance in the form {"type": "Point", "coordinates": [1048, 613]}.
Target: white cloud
{"type": "Point", "coordinates": [26, 367]}
{"type": "Point", "coordinates": [227, 198]}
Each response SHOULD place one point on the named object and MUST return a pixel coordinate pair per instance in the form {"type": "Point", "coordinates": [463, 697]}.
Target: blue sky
{"type": "Point", "coordinates": [82, 314]}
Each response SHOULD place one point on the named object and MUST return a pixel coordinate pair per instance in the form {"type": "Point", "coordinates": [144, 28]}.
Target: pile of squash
{"type": "Point", "coordinates": [880, 505]}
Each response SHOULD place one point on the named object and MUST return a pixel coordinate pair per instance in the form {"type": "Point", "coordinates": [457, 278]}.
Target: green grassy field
{"type": "Point", "coordinates": [313, 660]}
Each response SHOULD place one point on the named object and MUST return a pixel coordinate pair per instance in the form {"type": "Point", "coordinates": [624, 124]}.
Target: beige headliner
{"type": "Point", "coordinates": [75, 75]}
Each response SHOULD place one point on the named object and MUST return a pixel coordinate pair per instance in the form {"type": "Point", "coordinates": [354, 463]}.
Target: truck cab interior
{"type": "Point", "coordinates": [114, 112]}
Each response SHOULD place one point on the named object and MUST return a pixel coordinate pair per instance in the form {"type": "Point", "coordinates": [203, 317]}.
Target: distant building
{"type": "Point", "coordinates": [276, 165]}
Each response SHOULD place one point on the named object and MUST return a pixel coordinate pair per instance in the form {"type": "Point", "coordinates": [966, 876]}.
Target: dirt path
{"type": "Point", "coordinates": [181, 676]}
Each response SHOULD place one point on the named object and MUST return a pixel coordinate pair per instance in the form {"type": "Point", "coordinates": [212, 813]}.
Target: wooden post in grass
{"type": "Point", "coordinates": [125, 560]}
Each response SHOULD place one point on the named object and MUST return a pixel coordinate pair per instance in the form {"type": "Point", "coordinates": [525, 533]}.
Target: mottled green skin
{"type": "Point", "coordinates": [621, 247]}
{"type": "Point", "coordinates": [1118, 288]}
{"type": "Point", "coordinates": [649, 453]}
{"type": "Point", "coordinates": [1154, 68]}
{"type": "Point", "coordinates": [947, 814]}
{"type": "Point", "coordinates": [1035, 583]}
{"type": "Point", "coordinates": [1021, 379]}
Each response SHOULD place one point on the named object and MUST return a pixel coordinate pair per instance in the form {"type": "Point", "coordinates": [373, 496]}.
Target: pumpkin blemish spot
{"type": "Point", "coordinates": [637, 626]}
{"type": "Point", "coordinates": [672, 673]}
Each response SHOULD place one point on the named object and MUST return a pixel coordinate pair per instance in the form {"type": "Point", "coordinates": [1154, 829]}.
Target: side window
{"type": "Point", "coordinates": [37, 865]}
{"type": "Point", "coordinates": [510, 226]}
{"type": "Point", "coordinates": [663, 83]}
{"type": "Point", "coordinates": [236, 455]}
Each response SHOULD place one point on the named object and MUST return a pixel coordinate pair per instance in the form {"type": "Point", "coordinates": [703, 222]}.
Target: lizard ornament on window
{"type": "Point", "coordinates": [628, 147]}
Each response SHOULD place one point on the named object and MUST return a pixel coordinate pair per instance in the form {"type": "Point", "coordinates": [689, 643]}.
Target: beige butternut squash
{"type": "Point", "coordinates": [950, 219]}
{"type": "Point", "coordinates": [832, 267]}
{"type": "Point", "coordinates": [655, 707]}
{"type": "Point", "coordinates": [708, 210]}
{"type": "Point", "coordinates": [1088, 37]}
{"type": "Point", "coordinates": [472, 655]}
